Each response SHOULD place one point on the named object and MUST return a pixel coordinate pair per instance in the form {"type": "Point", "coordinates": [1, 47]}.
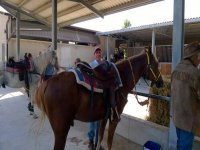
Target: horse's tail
{"type": "Point", "coordinates": [39, 98]}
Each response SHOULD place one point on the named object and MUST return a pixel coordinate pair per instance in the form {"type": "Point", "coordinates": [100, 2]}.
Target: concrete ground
{"type": "Point", "coordinates": [19, 131]}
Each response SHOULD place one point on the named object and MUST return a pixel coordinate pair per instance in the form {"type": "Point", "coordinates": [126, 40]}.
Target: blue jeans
{"type": "Point", "coordinates": [93, 131]}
{"type": "Point", "coordinates": [185, 139]}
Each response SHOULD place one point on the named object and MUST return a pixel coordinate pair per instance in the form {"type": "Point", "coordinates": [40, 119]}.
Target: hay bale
{"type": "Point", "coordinates": [159, 110]}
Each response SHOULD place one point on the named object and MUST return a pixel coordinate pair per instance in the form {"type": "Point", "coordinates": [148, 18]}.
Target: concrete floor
{"type": "Point", "coordinates": [19, 131]}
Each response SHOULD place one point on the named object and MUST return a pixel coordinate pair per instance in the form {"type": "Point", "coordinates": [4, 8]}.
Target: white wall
{"type": "Point", "coordinates": [67, 53]}
{"type": "Point", "coordinates": [3, 43]}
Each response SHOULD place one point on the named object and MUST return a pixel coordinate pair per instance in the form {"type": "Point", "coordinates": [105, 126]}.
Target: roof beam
{"type": "Point", "coordinates": [72, 9]}
{"type": "Point", "coordinates": [90, 7]}
{"type": "Point", "coordinates": [23, 2]}
{"type": "Point", "coordinates": [43, 7]}
{"type": "Point", "coordinates": [73, 21]}
{"type": "Point", "coordinates": [68, 11]}
{"type": "Point", "coordinates": [3, 3]}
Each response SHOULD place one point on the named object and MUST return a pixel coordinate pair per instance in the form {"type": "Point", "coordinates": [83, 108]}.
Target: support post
{"type": "Point", "coordinates": [177, 50]}
{"type": "Point", "coordinates": [17, 35]}
{"type": "Point", "coordinates": [108, 48]}
{"type": "Point", "coordinates": [153, 42]}
{"type": "Point", "coordinates": [54, 24]}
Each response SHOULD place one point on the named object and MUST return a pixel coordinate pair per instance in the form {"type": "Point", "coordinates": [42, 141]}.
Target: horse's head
{"type": "Point", "coordinates": [151, 71]}
{"type": "Point", "coordinates": [45, 58]}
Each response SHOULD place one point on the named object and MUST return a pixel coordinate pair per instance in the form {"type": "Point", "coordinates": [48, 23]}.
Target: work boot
{"type": "Point", "coordinates": [91, 145]}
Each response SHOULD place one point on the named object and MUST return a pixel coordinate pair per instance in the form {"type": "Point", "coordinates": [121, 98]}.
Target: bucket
{"type": "Point", "coordinates": [150, 145]}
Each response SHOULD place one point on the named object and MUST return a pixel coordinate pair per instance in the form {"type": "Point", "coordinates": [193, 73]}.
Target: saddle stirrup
{"type": "Point", "coordinates": [118, 117]}
{"type": "Point", "coordinates": [112, 113]}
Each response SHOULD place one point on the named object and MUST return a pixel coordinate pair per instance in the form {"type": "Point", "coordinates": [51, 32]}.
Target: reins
{"type": "Point", "coordinates": [146, 102]}
{"type": "Point", "coordinates": [136, 96]}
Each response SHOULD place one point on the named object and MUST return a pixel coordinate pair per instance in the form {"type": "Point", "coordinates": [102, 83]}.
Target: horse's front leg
{"type": "Point", "coordinates": [31, 97]}
{"type": "Point", "coordinates": [111, 131]}
{"type": "Point", "coordinates": [101, 133]}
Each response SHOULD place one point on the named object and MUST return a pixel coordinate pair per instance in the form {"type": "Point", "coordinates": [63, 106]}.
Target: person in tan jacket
{"type": "Point", "coordinates": [185, 96]}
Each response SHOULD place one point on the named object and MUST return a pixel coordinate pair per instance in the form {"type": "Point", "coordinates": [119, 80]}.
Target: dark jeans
{"type": "Point", "coordinates": [93, 131]}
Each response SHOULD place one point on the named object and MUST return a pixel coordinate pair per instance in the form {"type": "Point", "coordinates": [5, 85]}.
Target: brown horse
{"type": "Point", "coordinates": [63, 100]}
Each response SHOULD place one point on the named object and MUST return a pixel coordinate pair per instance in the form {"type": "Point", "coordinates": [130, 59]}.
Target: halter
{"type": "Point", "coordinates": [150, 67]}
{"type": "Point", "coordinates": [156, 78]}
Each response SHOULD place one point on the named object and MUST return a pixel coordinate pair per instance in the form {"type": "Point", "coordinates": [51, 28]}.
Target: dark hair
{"type": "Point", "coordinates": [77, 60]}
{"type": "Point", "coordinates": [29, 55]}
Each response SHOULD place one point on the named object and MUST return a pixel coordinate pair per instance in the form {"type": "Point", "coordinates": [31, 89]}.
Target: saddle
{"type": "Point", "coordinates": [108, 76]}
{"type": "Point", "coordinates": [105, 73]}
{"type": "Point", "coordinates": [15, 67]}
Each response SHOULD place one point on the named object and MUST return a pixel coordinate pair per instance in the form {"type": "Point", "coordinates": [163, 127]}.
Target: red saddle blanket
{"type": "Point", "coordinates": [13, 70]}
{"type": "Point", "coordinates": [85, 80]}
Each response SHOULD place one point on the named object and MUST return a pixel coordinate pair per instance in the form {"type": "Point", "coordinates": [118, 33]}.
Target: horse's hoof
{"type": "Point", "coordinates": [91, 146]}
{"type": "Point", "coordinates": [35, 116]}
{"type": "Point", "coordinates": [100, 148]}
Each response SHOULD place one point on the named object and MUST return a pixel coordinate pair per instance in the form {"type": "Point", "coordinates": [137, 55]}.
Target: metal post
{"type": "Point", "coordinates": [153, 42]}
{"type": "Point", "coordinates": [54, 24]}
{"type": "Point", "coordinates": [108, 49]}
{"type": "Point", "coordinates": [177, 50]}
{"type": "Point", "coordinates": [17, 35]}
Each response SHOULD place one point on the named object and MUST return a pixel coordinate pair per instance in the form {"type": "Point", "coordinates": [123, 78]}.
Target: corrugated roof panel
{"type": "Point", "coordinates": [16, 2]}
{"type": "Point", "coordinates": [74, 15]}
{"type": "Point", "coordinates": [34, 4]}
{"type": "Point", "coordinates": [45, 13]}
{"type": "Point", "coordinates": [41, 10]}
{"type": "Point", "coordinates": [65, 5]}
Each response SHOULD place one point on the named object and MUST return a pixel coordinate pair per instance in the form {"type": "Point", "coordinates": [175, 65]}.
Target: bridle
{"type": "Point", "coordinates": [149, 66]}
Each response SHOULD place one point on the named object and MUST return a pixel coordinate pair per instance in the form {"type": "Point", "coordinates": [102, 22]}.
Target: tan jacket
{"type": "Point", "coordinates": [185, 96]}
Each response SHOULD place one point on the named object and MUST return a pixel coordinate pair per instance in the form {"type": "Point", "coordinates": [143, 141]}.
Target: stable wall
{"type": "Point", "coordinates": [3, 43]}
{"type": "Point", "coordinates": [67, 53]}
{"type": "Point", "coordinates": [140, 131]}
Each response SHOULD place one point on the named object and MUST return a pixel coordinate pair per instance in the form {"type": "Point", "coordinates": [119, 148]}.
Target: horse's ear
{"type": "Point", "coordinates": [148, 49]}
{"type": "Point", "coordinates": [157, 58]}
{"type": "Point", "coordinates": [54, 52]}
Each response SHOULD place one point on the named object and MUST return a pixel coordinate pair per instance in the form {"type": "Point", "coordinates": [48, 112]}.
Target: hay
{"type": "Point", "coordinates": [159, 110]}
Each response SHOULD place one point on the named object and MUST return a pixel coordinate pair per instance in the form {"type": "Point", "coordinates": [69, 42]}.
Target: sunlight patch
{"type": "Point", "coordinates": [10, 95]}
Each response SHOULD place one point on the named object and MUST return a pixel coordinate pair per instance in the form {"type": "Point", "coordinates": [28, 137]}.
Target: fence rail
{"type": "Point", "coordinates": [159, 97]}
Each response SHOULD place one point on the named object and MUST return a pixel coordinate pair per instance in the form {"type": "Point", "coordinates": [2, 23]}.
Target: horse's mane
{"type": "Point", "coordinates": [131, 57]}
{"type": "Point", "coordinates": [46, 57]}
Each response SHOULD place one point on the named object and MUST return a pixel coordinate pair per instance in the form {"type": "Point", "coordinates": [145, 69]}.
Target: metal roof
{"type": "Point", "coordinates": [162, 30]}
{"type": "Point", "coordinates": [68, 11]}
{"type": "Point", "coordinates": [37, 31]}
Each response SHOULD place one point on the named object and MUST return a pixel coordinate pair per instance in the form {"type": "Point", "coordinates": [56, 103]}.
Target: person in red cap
{"type": "Point", "coordinates": [94, 126]}
{"type": "Point", "coordinates": [185, 97]}
{"type": "Point", "coordinates": [98, 57]}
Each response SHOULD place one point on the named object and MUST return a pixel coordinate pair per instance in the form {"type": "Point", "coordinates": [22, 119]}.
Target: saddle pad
{"type": "Point", "coordinates": [84, 80]}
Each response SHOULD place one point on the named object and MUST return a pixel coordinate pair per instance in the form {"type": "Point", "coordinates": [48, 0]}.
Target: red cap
{"type": "Point", "coordinates": [97, 48]}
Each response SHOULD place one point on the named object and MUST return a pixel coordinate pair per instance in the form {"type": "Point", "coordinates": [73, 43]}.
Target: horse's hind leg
{"type": "Point", "coordinates": [60, 138]}
{"type": "Point", "coordinates": [60, 122]}
{"type": "Point", "coordinates": [101, 133]}
{"type": "Point", "coordinates": [60, 129]}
